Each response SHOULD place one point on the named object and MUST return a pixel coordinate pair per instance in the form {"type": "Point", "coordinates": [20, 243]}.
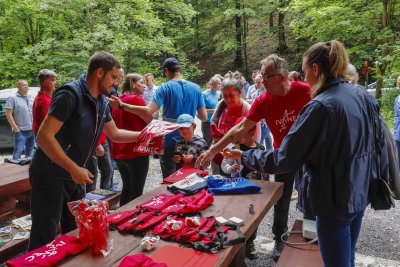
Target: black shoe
{"type": "Point", "coordinates": [276, 253]}
{"type": "Point", "coordinates": [251, 252]}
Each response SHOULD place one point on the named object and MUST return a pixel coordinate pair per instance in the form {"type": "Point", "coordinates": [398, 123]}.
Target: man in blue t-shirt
{"type": "Point", "coordinates": [177, 96]}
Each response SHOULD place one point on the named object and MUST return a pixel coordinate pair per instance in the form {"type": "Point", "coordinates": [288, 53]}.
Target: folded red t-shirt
{"type": "Point", "coordinates": [51, 253]}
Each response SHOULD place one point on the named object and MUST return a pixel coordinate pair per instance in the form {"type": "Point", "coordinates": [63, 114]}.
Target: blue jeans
{"type": "Point", "coordinates": [398, 149]}
{"type": "Point", "coordinates": [24, 140]}
{"type": "Point", "coordinates": [337, 238]}
{"type": "Point", "coordinates": [266, 139]}
{"type": "Point", "coordinates": [104, 164]}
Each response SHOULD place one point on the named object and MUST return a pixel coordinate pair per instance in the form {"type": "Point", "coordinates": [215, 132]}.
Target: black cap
{"type": "Point", "coordinates": [170, 62]}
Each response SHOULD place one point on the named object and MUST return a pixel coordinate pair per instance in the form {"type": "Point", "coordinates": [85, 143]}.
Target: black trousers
{"type": "Point", "coordinates": [49, 209]}
{"type": "Point", "coordinates": [133, 175]}
{"type": "Point", "coordinates": [281, 208]}
{"type": "Point", "coordinates": [168, 167]}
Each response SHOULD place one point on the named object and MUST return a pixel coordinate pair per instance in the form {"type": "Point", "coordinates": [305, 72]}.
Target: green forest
{"type": "Point", "coordinates": [207, 36]}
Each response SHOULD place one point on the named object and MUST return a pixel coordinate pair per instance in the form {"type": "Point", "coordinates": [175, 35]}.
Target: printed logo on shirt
{"type": "Point", "coordinates": [289, 117]}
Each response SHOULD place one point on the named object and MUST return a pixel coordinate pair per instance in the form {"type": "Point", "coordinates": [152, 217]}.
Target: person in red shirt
{"type": "Point", "coordinates": [47, 81]}
{"type": "Point", "coordinates": [132, 166]}
{"type": "Point", "coordinates": [279, 106]}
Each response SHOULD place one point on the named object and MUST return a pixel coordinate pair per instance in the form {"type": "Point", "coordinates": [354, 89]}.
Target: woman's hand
{"type": "Point", "coordinates": [232, 153]}
{"type": "Point", "coordinates": [114, 101]}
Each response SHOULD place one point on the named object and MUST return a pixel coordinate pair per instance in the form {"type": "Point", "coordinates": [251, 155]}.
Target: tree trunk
{"type": "Point", "coordinates": [245, 31]}
{"type": "Point", "coordinates": [271, 20]}
{"type": "Point", "coordinates": [238, 63]}
{"type": "Point", "coordinates": [282, 47]}
{"type": "Point", "coordinates": [387, 23]}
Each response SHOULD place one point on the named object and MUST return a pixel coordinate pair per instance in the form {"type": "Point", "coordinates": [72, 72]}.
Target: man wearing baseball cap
{"type": "Point", "coordinates": [177, 96]}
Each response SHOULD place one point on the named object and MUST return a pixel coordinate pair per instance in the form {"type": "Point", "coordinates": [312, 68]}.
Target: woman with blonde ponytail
{"type": "Point", "coordinates": [333, 142]}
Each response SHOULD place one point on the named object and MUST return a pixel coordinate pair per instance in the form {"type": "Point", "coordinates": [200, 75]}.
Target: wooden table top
{"type": "Point", "coordinates": [224, 205]}
{"type": "Point", "coordinates": [14, 179]}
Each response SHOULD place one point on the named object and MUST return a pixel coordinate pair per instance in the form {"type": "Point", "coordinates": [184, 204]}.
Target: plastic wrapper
{"type": "Point", "coordinates": [151, 138]}
{"type": "Point", "coordinates": [91, 220]}
{"type": "Point", "coordinates": [149, 242]}
{"type": "Point", "coordinates": [174, 225]}
{"type": "Point", "coordinates": [192, 221]}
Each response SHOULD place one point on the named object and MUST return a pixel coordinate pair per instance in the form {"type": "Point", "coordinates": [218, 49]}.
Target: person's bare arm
{"type": "Point", "coordinates": [120, 135]}
{"type": "Point", "coordinates": [232, 136]}
{"type": "Point", "coordinates": [11, 120]}
{"type": "Point", "coordinates": [48, 143]}
{"type": "Point", "coordinates": [144, 112]}
{"type": "Point", "coordinates": [202, 114]}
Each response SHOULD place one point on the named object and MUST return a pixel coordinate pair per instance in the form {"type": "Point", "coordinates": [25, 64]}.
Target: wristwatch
{"type": "Point", "coordinates": [121, 105]}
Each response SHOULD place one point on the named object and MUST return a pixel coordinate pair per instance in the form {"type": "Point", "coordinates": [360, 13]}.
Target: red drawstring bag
{"type": "Point", "coordinates": [50, 254]}
{"type": "Point", "coordinates": [149, 223]}
{"type": "Point", "coordinates": [120, 217]}
{"type": "Point", "coordinates": [160, 202]}
{"type": "Point", "coordinates": [192, 204]}
{"type": "Point", "coordinates": [166, 230]}
{"type": "Point", "coordinates": [132, 223]}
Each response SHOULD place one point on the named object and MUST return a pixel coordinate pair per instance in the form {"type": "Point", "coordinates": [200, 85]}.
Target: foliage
{"type": "Point", "coordinates": [61, 35]}
{"type": "Point", "coordinates": [387, 106]}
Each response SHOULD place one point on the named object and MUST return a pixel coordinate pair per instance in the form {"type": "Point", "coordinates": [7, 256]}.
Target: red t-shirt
{"type": "Point", "coordinates": [40, 108]}
{"type": "Point", "coordinates": [229, 117]}
{"type": "Point", "coordinates": [127, 121]}
{"type": "Point", "coordinates": [280, 112]}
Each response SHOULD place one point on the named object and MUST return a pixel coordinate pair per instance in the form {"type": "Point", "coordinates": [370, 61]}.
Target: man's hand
{"type": "Point", "coordinates": [176, 159]}
{"type": "Point", "coordinates": [204, 159]}
{"type": "Point", "coordinates": [100, 151]}
{"type": "Point", "coordinates": [81, 176]}
{"type": "Point", "coordinates": [114, 101]}
{"type": "Point", "coordinates": [232, 153]}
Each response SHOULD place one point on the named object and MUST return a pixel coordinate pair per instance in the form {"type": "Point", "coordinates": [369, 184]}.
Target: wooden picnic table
{"type": "Point", "coordinates": [224, 205]}
{"type": "Point", "coordinates": [14, 190]}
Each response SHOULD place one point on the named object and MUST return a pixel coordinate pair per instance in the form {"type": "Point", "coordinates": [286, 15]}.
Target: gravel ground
{"type": "Point", "coordinates": [378, 244]}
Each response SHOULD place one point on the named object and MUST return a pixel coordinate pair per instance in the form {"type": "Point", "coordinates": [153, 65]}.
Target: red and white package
{"type": "Point", "coordinates": [182, 173]}
{"type": "Point", "coordinates": [92, 223]}
{"type": "Point", "coordinates": [152, 136]}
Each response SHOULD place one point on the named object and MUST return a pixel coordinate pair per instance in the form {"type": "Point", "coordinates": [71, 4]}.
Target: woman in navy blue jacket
{"type": "Point", "coordinates": [333, 142]}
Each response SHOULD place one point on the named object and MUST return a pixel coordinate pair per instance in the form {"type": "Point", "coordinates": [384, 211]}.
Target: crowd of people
{"type": "Point", "coordinates": [316, 134]}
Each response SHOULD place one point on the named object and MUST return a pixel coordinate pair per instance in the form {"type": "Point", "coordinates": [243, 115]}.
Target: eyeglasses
{"type": "Point", "coordinates": [266, 78]}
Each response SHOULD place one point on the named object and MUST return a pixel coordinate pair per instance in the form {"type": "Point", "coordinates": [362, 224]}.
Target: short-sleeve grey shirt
{"type": "Point", "coordinates": [21, 107]}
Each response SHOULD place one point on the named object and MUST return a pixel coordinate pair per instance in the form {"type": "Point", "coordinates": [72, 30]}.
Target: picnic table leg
{"type": "Point", "coordinates": [238, 261]}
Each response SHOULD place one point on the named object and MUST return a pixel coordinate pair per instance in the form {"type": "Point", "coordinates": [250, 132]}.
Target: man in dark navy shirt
{"type": "Point", "coordinates": [66, 140]}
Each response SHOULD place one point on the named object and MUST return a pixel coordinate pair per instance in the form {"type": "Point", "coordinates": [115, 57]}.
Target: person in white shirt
{"type": "Point", "coordinates": [150, 91]}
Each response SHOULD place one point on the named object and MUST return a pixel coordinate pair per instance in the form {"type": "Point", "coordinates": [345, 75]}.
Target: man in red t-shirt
{"type": "Point", "coordinates": [47, 81]}
{"type": "Point", "coordinates": [279, 106]}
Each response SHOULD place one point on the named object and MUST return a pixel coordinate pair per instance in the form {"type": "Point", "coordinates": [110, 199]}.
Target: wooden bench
{"type": "Point", "coordinates": [13, 247]}
{"type": "Point", "coordinates": [299, 255]}
{"type": "Point", "coordinates": [15, 191]}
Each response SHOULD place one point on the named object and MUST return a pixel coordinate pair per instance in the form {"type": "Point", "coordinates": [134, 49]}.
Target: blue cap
{"type": "Point", "coordinates": [170, 62]}
{"type": "Point", "coordinates": [185, 121]}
